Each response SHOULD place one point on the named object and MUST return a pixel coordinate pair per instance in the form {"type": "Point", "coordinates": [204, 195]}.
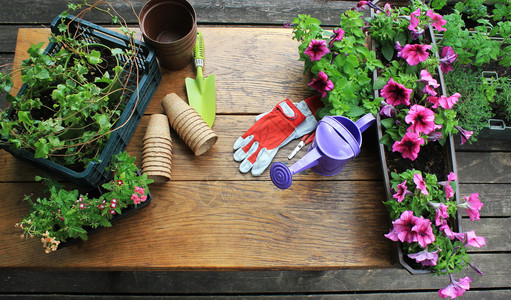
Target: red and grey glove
{"type": "Point", "coordinates": [257, 147]}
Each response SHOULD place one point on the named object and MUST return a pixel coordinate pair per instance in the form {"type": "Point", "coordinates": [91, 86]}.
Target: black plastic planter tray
{"type": "Point", "coordinates": [137, 100]}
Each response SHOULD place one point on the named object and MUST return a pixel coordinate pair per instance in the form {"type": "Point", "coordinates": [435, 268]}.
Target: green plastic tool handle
{"type": "Point", "coordinates": [198, 51]}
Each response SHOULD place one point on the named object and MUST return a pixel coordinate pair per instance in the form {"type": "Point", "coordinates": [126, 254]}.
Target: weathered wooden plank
{"type": "Point", "coordinates": [495, 198]}
{"type": "Point", "coordinates": [484, 167]}
{"type": "Point", "coordinates": [471, 294]}
{"type": "Point", "coordinates": [218, 163]}
{"type": "Point", "coordinates": [495, 230]}
{"type": "Point", "coordinates": [483, 145]}
{"type": "Point", "coordinates": [218, 12]}
{"type": "Point", "coordinates": [8, 35]}
{"type": "Point", "coordinates": [496, 267]}
{"type": "Point", "coordinates": [220, 225]}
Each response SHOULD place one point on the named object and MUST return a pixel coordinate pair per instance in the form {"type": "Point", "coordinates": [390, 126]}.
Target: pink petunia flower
{"type": "Point", "coordinates": [455, 288]}
{"type": "Point", "coordinates": [421, 118]}
{"type": "Point", "coordinates": [337, 36]}
{"type": "Point", "coordinates": [447, 58]}
{"type": "Point", "coordinates": [387, 8]}
{"type": "Point", "coordinates": [415, 53]}
{"type": "Point", "coordinates": [465, 134]}
{"type": "Point", "coordinates": [322, 84]}
{"type": "Point", "coordinates": [403, 227]}
{"type": "Point", "coordinates": [447, 230]}
{"type": "Point", "coordinates": [471, 239]}
{"type": "Point", "coordinates": [425, 257]}
{"type": "Point", "coordinates": [420, 183]}
{"type": "Point", "coordinates": [409, 146]}
{"type": "Point", "coordinates": [316, 49]}
{"type": "Point", "coordinates": [401, 192]}
{"type": "Point", "coordinates": [441, 213]}
{"type": "Point", "coordinates": [387, 110]}
{"type": "Point", "coordinates": [414, 20]}
{"type": "Point", "coordinates": [443, 101]}
{"type": "Point", "coordinates": [423, 232]}
{"type": "Point", "coordinates": [472, 206]}
{"type": "Point", "coordinates": [430, 83]}
{"type": "Point", "coordinates": [396, 93]}
{"type": "Point", "coordinates": [438, 20]}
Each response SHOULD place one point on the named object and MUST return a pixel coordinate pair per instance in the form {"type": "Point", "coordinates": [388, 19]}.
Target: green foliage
{"type": "Point", "coordinates": [67, 214]}
{"type": "Point", "coordinates": [452, 254]}
{"type": "Point", "coordinates": [348, 65]}
{"type": "Point", "coordinates": [485, 43]}
{"type": "Point", "coordinates": [72, 100]}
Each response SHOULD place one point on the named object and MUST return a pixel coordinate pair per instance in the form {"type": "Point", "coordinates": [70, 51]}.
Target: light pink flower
{"type": "Point", "coordinates": [403, 227]}
{"type": "Point", "coordinates": [139, 190]}
{"type": "Point", "coordinates": [316, 49]}
{"type": "Point", "coordinates": [414, 20]}
{"type": "Point", "coordinates": [438, 20]}
{"type": "Point", "coordinates": [443, 101]}
{"type": "Point", "coordinates": [448, 57]}
{"type": "Point", "coordinates": [421, 118]}
{"type": "Point", "coordinates": [423, 232]}
{"type": "Point", "coordinates": [425, 257]}
{"type": "Point", "coordinates": [421, 185]}
{"type": "Point", "coordinates": [401, 192]}
{"type": "Point", "coordinates": [337, 36]}
{"type": "Point", "coordinates": [415, 53]}
{"type": "Point", "coordinates": [441, 213]}
{"type": "Point", "coordinates": [465, 134]}
{"type": "Point", "coordinates": [322, 84]}
{"type": "Point", "coordinates": [448, 231]}
{"type": "Point", "coordinates": [387, 110]}
{"type": "Point", "coordinates": [472, 206]}
{"type": "Point", "coordinates": [430, 83]}
{"type": "Point", "coordinates": [470, 238]}
{"type": "Point", "coordinates": [396, 93]}
{"type": "Point", "coordinates": [409, 146]}
{"type": "Point", "coordinates": [455, 288]}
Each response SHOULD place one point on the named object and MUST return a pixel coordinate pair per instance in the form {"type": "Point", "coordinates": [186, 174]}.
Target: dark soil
{"type": "Point", "coordinates": [432, 159]}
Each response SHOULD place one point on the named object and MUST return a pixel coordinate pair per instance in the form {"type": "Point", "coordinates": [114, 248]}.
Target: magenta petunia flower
{"type": "Point", "coordinates": [409, 146]}
{"type": "Point", "coordinates": [425, 257]}
{"type": "Point", "coordinates": [472, 206]}
{"type": "Point", "coordinates": [403, 227]}
{"type": "Point", "coordinates": [430, 83]}
{"type": "Point", "coordinates": [420, 183]}
{"type": "Point", "coordinates": [443, 101]}
{"type": "Point", "coordinates": [316, 49]}
{"type": "Point", "coordinates": [401, 192]}
{"type": "Point", "coordinates": [387, 8]}
{"type": "Point", "coordinates": [465, 134]}
{"type": "Point", "coordinates": [322, 84]}
{"type": "Point", "coordinates": [396, 93]}
{"type": "Point", "coordinates": [455, 288]}
{"type": "Point", "coordinates": [415, 53]}
{"type": "Point", "coordinates": [421, 118]}
{"type": "Point", "coordinates": [447, 231]}
{"type": "Point", "coordinates": [438, 20]}
{"type": "Point", "coordinates": [440, 212]}
{"type": "Point", "coordinates": [447, 58]}
{"type": "Point", "coordinates": [337, 36]}
{"type": "Point", "coordinates": [414, 20]}
{"type": "Point", "coordinates": [423, 232]}
{"type": "Point", "coordinates": [470, 238]}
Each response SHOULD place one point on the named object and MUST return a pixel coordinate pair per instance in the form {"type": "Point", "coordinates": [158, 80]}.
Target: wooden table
{"type": "Point", "coordinates": [210, 216]}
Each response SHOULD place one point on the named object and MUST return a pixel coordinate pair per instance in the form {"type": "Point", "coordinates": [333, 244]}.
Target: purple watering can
{"type": "Point", "coordinates": [337, 140]}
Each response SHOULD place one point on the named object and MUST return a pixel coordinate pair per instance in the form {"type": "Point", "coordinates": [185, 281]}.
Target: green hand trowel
{"type": "Point", "coordinates": [201, 91]}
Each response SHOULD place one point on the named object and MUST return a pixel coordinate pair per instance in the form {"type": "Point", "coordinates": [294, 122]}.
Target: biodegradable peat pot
{"type": "Point", "coordinates": [170, 27]}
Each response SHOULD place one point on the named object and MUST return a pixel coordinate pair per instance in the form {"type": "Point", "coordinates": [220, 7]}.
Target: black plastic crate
{"type": "Point", "coordinates": [137, 100]}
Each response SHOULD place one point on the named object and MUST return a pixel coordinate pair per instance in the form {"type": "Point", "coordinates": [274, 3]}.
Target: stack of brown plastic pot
{"type": "Point", "coordinates": [157, 153]}
{"type": "Point", "coordinates": [170, 27]}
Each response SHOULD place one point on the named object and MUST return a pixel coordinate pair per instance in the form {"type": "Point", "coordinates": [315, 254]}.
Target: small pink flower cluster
{"type": "Point", "coordinates": [139, 195]}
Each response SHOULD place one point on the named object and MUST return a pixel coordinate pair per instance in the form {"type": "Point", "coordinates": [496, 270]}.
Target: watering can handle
{"type": "Point", "coordinates": [364, 122]}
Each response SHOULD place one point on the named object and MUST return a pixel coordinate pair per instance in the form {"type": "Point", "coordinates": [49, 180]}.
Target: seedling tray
{"type": "Point", "coordinates": [148, 78]}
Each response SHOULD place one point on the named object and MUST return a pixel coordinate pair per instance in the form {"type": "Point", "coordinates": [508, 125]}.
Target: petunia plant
{"type": "Point", "coordinates": [69, 213]}
{"type": "Point", "coordinates": [422, 210]}
{"type": "Point", "coordinates": [340, 63]}
{"type": "Point", "coordinates": [414, 108]}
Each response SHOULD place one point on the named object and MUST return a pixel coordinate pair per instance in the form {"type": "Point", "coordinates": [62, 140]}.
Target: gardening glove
{"type": "Point", "coordinates": [257, 147]}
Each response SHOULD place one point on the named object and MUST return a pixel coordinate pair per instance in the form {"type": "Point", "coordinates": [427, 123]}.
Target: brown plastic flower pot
{"type": "Point", "coordinates": [170, 27]}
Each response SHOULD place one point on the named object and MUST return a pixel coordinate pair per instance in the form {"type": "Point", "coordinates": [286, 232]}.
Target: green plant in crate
{"type": "Point", "coordinates": [68, 213]}
{"type": "Point", "coordinates": [72, 97]}
{"type": "Point", "coordinates": [340, 63]}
